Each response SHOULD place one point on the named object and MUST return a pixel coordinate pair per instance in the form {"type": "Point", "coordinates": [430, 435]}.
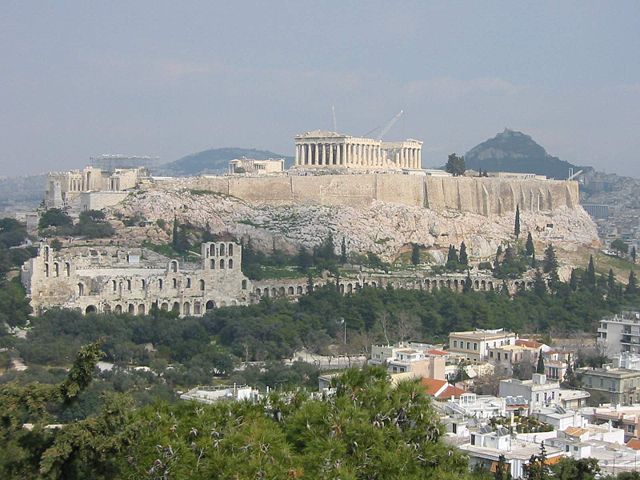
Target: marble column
{"type": "Point", "coordinates": [331, 159]}
{"type": "Point", "coordinates": [316, 150]}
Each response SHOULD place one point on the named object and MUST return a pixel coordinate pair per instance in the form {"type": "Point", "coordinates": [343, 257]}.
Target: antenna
{"type": "Point", "coordinates": [333, 113]}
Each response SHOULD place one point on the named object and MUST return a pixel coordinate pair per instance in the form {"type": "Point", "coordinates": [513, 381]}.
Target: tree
{"type": "Point", "coordinates": [516, 227]}
{"type": "Point", "coordinates": [550, 262]}
{"type": "Point", "coordinates": [569, 468]}
{"type": "Point", "coordinates": [343, 251]}
{"type": "Point", "coordinates": [468, 284]}
{"type": "Point", "coordinates": [540, 365]}
{"type": "Point", "coordinates": [503, 470]}
{"type": "Point", "coordinates": [620, 246]}
{"type": "Point", "coordinates": [463, 258]}
{"type": "Point", "coordinates": [633, 254]}
{"type": "Point", "coordinates": [305, 259]}
{"type": "Point", "coordinates": [455, 165]}
{"type": "Point", "coordinates": [415, 254]}
{"type": "Point", "coordinates": [589, 279]}
{"type": "Point", "coordinates": [570, 379]}
{"type": "Point", "coordinates": [453, 261]}
{"type": "Point", "coordinates": [574, 281]}
{"type": "Point", "coordinates": [611, 283]}
{"type": "Point", "coordinates": [539, 285]}
{"type": "Point", "coordinates": [530, 249]}
{"type": "Point", "coordinates": [632, 284]}
{"type": "Point", "coordinates": [57, 218]}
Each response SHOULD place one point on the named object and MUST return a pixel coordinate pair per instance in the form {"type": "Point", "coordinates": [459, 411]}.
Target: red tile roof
{"type": "Point", "coordinates": [634, 443]}
{"type": "Point", "coordinates": [440, 389]}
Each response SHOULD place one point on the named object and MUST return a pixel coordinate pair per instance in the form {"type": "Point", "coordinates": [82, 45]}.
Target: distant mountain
{"type": "Point", "coordinates": [215, 160]}
{"type": "Point", "coordinates": [512, 151]}
{"type": "Point", "coordinates": [22, 193]}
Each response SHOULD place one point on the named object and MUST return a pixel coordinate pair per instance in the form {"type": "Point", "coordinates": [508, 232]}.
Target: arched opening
{"type": "Point", "coordinates": [213, 264]}
{"type": "Point", "coordinates": [90, 309]}
{"type": "Point", "coordinates": [186, 308]}
{"type": "Point", "coordinates": [341, 288]}
{"type": "Point", "coordinates": [210, 305]}
{"type": "Point", "coordinates": [476, 284]}
{"type": "Point", "coordinates": [349, 288]}
{"type": "Point", "coordinates": [175, 283]}
{"type": "Point", "coordinates": [176, 307]}
{"type": "Point", "coordinates": [46, 252]}
{"type": "Point", "coordinates": [221, 251]}
{"type": "Point", "coordinates": [258, 292]}
{"type": "Point", "coordinates": [222, 264]}
{"type": "Point", "coordinates": [129, 285]}
{"type": "Point", "coordinates": [143, 284]}
{"type": "Point", "coordinates": [160, 283]}
{"type": "Point", "coordinates": [141, 309]}
{"type": "Point", "coordinates": [80, 289]}
{"type": "Point", "coordinates": [188, 282]}
{"type": "Point", "coordinates": [67, 267]}
{"type": "Point", "coordinates": [202, 285]}
{"type": "Point", "coordinates": [106, 308]}
{"type": "Point", "coordinates": [212, 250]}
{"type": "Point", "coordinates": [197, 308]}
{"type": "Point", "coordinates": [281, 291]}
{"type": "Point", "coordinates": [174, 266]}
{"type": "Point", "coordinates": [230, 250]}
{"type": "Point", "coordinates": [46, 270]}
{"type": "Point", "coordinates": [114, 285]}
{"type": "Point", "coordinates": [56, 269]}
{"type": "Point", "coordinates": [299, 289]}
{"type": "Point", "coordinates": [290, 291]}
{"type": "Point", "coordinates": [230, 263]}
{"type": "Point", "coordinates": [266, 292]}
{"type": "Point", "coordinates": [374, 284]}
{"type": "Point", "coordinates": [118, 309]}
{"type": "Point", "coordinates": [244, 284]}
{"type": "Point", "coordinates": [132, 309]}
{"type": "Point", "coordinates": [274, 292]}
{"type": "Point", "coordinates": [164, 306]}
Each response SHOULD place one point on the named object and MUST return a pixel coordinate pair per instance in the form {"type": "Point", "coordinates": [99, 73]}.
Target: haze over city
{"type": "Point", "coordinates": [151, 78]}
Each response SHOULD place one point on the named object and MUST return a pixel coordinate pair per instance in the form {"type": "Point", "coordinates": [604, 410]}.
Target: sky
{"type": "Point", "coordinates": [166, 78]}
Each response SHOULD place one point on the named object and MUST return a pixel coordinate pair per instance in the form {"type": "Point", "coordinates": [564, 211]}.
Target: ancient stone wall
{"type": "Point", "coordinates": [484, 196]}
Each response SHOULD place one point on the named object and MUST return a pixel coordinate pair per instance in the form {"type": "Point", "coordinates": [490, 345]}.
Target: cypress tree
{"type": "Point", "coordinates": [529, 247]}
{"type": "Point", "coordinates": [573, 280]}
{"type": "Point", "coordinates": [590, 275]}
{"type": "Point", "coordinates": [516, 227]}
{"type": "Point", "coordinates": [539, 285]}
{"type": "Point", "coordinates": [540, 366]}
{"type": "Point", "coordinates": [464, 259]}
{"type": "Point", "coordinates": [343, 251]}
{"type": "Point", "coordinates": [633, 254]}
{"type": "Point", "coordinates": [611, 283]}
{"type": "Point", "coordinates": [452, 256]}
{"type": "Point", "coordinates": [415, 254]}
{"type": "Point", "coordinates": [175, 234]}
{"type": "Point", "coordinates": [632, 284]}
{"type": "Point", "coordinates": [468, 284]}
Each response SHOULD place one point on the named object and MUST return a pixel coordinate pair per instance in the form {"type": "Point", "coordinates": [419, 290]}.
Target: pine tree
{"type": "Point", "coordinates": [530, 249]}
{"type": "Point", "coordinates": [539, 285]}
{"type": "Point", "coordinates": [540, 366]}
{"type": "Point", "coordinates": [589, 279]}
{"type": "Point", "coordinates": [516, 227]}
{"type": "Point", "coordinates": [464, 259]}
{"type": "Point", "coordinates": [632, 284]}
{"type": "Point", "coordinates": [343, 251]}
{"type": "Point", "coordinates": [415, 254]}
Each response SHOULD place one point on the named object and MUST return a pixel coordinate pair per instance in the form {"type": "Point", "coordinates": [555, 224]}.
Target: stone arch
{"type": "Point", "coordinates": [106, 308]}
{"type": "Point", "coordinates": [90, 309]}
{"type": "Point", "coordinates": [221, 250]}
{"type": "Point", "coordinates": [230, 263]}
{"type": "Point", "coordinates": [210, 305]}
{"type": "Point", "coordinates": [186, 308]}
{"type": "Point", "coordinates": [67, 268]}
{"type": "Point", "coordinates": [274, 292]}
{"type": "Point", "coordinates": [173, 266]}
{"type": "Point", "coordinates": [213, 264]}
{"type": "Point", "coordinates": [230, 249]}
{"type": "Point", "coordinates": [114, 285]}
{"type": "Point", "coordinates": [349, 288]}
{"type": "Point", "coordinates": [299, 290]}
{"type": "Point", "coordinates": [46, 270]}
{"type": "Point", "coordinates": [222, 264]}
{"type": "Point", "coordinates": [258, 292]}
{"type": "Point", "coordinates": [455, 284]}
{"type": "Point", "coordinates": [341, 288]}
{"type": "Point", "coordinates": [175, 307]}
{"type": "Point", "coordinates": [290, 291]}
{"type": "Point", "coordinates": [266, 292]}
{"type": "Point", "coordinates": [142, 309]}
{"type": "Point", "coordinates": [118, 309]}
{"type": "Point", "coordinates": [197, 308]}
{"type": "Point", "coordinates": [56, 269]}
{"type": "Point", "coordinates": [212, 250]}
{"type": "Point", "coordinates": [164, 306]}
{"type": "Point", "coordinates": [132, 309]}
{"type": "Point", "coordinates": [47, 250]}
{"type": "Point", "coordinates": [80, 289]}
{"type": "Point", "coordinates": [374, 284]}
{"type": "Point", "coordinates": [448, 283]}
{"type": "Point", "coordinates": [490, 284]}
{"type": "Point", "coordinates": [483, 285]}
{"type": "Point", "coordinates": [476, 284]}
{"type": "Point", "coordinates": [281, 291]}
{"type": "Point", "coordinates": [202, 285]}
{"type": "Point", "coordinates": [160, 283]}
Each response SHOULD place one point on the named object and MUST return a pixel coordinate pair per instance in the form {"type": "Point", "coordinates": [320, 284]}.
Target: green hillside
{"type": "Point", "coordinates": [512, 151]}
{"type": "Point", "coordinates": [215, 160]}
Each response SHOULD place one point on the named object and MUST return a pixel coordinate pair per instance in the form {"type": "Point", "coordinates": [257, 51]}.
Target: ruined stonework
{"type": "Point", "coordinates": [108, 279]}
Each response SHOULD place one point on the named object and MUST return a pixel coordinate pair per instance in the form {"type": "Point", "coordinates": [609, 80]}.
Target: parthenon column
{"type": "Point", "coordinates": [315, 154]}
{"type": "Point", "coordinates": [331, 145]}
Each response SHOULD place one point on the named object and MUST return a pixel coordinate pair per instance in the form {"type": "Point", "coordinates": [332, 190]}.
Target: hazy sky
{"type": "Point", "coordinates": [171, 78]}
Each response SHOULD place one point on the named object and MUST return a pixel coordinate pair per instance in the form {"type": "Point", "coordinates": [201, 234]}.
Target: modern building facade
{"type": "Point", "coordinates": [620, 333]}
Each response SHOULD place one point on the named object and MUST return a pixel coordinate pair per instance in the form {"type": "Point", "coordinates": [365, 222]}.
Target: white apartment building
{"type": "Point", "coordinates": [620, 333]}
{"type": "Point", "coordinates": [474, 345]}
{"type": "Point", "coordinates": [537, 391]}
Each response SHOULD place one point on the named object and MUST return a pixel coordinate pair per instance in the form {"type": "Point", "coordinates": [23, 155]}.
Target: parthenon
{"type": "Point", "coordinates": [325, 149]}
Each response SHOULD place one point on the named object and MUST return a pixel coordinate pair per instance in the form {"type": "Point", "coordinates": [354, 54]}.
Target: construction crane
{"type": "Point", "coordinates": [387, 127]}
{"type": "Point", "coordinates": [574, 175]}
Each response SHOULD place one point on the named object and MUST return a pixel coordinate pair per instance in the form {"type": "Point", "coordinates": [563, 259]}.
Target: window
{"type": "Point", "coordinates": [230, 250]}
{"type": "Point", "coordinates": [143, 283]}
{"type": "Point", "coordinates": [175, 283]}
{"type": "Point", "coordinates": [67, 267]}
{"type": "Point", "coordinates": [455, 344]}
{"type": "Point", "coordinates": [213, 264]}
{"type": "Point", "coordinates": [80, 289]}
{"type": "Point", "coordinates": [244, 284]}
{"type": "Point", "coordinates": [129, 285]}
{"type": "Point", "coordinates": [114, 285]}
{"type": "Point", "coordinates": [188, 282]}
{"type": "Point", "coordinates": [201, 285]}
{"type": "Point", "coordinates": [490, 354]}
{"type": "Point", "coordinates": [475, 346]}
{"type": "Point", "coordinates": [159, 284]}
{"type": "Point", "coordinates": [222, 264]}
{"type": "Point", "coordinates": [221, 249]}
{"type": "Point", "coordinates": [230, 263]}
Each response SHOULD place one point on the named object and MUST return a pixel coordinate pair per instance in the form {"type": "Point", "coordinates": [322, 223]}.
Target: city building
{"type": "Point", "coordinates": [250, 166]}
{"type": "Point", "coordinates": [507, 356]}
{"type": "Point", "coordinates": [323, 149]}
{"type": "Point", "coordinates": [613, 385]}
{"type": "Point", "coordinates": [411, 358]}
{"type": "Point", "coordinates": [440, 389]}
{"type": "Point", "coordinates": [626, 418]}
{"type": "Point", "coordinates": [474, 345]}
{"type": "Point", "coordinates": [211, 395]}
{"type": "Point", "coordinates": [620, 333]}
{"type": "Point", "coordinates": [538, 392]}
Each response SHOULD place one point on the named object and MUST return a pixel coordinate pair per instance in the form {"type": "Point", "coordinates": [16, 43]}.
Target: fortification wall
{"type": "Point", "coordinates": [484, 196]}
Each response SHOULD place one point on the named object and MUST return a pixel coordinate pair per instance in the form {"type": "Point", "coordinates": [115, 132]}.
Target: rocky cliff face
{"type": "Point", "coordinates": [382, 228]}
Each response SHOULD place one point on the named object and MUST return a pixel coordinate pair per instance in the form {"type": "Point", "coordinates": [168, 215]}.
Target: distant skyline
{"type": "Point", "coordinates": [167, 79]}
